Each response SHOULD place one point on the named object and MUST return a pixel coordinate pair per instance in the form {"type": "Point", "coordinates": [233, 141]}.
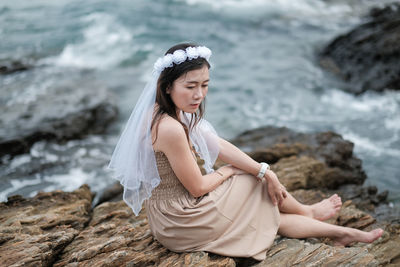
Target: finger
{"type": "Point", "coordinates": [273, 199]}
{"type": "Point", "coordinates": [280, 198]}
{"type": "Point", "coordinates": [284, 193]}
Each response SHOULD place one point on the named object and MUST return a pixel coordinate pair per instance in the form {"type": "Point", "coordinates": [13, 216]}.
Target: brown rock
{"type": "Point", "coordinates": [305, 172]}
{"type": "Point", "coordinates": [52, 229]}
{"type": "Point", "coordinates": [116, 237]}
{"type": "Point", "coordinates": [350, 216]}
{"type": "Point", "coordinates": [34, 231]}
{"type": "Point", "coordinates": [272, 144]}
{"type": "Point", "coordinates": [308, 196]}
{"type": "Point", "coordinates": [386, 250]}
{"type": "Point", "coordinates": [293, 252]}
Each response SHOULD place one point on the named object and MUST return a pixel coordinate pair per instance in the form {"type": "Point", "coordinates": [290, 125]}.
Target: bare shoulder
{"type": "Point", "coordinates": [169, 132]}
{"type": "Point", "coordinates": [168, 126]}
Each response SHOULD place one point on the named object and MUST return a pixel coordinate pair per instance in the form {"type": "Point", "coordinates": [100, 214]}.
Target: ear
{"type": "Point", "coordinates": [168, 91]}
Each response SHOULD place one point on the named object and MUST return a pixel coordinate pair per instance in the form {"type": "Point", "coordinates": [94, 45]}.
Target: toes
{"type": "Point", "coordinates": [377, 232]}
{"type": "Point", "coordinates": [338, 205]}
{"type": "Point", "coordinates": [337, 201]}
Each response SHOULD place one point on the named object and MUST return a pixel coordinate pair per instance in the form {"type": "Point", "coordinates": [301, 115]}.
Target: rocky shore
{"type": "Point", "coordinates": [82, 228]}
{"type": "Point", "coordinates": [67, 229]}
{"type": "Point", "coordinates": [61, 113]}
{"type": "Point", "coordinates": [367, 57]}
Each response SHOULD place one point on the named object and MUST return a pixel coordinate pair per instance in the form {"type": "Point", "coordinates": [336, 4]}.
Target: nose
{"type": "Point", "coordinates": [198, 93]}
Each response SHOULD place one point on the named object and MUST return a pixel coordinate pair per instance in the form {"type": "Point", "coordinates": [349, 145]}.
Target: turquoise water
{"type": "Point", "coordinates": [264, 72]}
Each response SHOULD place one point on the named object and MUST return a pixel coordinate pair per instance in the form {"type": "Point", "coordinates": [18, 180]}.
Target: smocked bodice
{"type": "Point", "coordinates": [170, 186]}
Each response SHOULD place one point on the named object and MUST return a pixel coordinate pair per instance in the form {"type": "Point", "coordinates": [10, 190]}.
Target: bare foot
{"type": "Point", "coordinates": [326, 208]}
{"type": "Point", "coordinates": [355, 235]}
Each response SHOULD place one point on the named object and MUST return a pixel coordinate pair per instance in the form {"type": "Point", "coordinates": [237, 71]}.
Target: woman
{"type": "Point", "coordinates": [165, 157]}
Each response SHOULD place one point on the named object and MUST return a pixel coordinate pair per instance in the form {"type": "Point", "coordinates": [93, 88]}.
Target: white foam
{"type": "Point", "coordinates": [19, 160]}
{"type": "Point", "coordinates": [69, 181]}
{"type": "Point", "coordinates": [17, 184]}
{"type": "Point", "coordinates": [393, 123]}
{"type": "Point", "coordinates": [105, 44]}
{"type": "Point", "coordinates": [30, 93]}
{"type": "Point", "coordinates": [298, 8]}
{"type": "Point", "coordinates": [371, 146]}
{"type": "Point", "coordinates": [367, 102]}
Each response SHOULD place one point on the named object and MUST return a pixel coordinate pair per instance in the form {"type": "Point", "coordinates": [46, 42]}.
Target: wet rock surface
{"type": "Point", "coordinates": [61, 113]}
{"type": "Point", "coordinates": [71, 229]}
{"type": "Point", "coordinates": [272, 144]}
{"type": "Point", "coordinates": [114, 237]}
{"type": "Point", "coordinates": [35, 231]}
{"type": "Point", "coordinates": [368, 57]}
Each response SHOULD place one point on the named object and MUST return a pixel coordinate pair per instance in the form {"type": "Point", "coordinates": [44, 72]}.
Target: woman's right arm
{"type": "Point", "coordinates": [172, 141]}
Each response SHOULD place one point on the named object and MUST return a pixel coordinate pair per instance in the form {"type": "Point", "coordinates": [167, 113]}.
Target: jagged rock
{"type": "Point", "coordinates": [271, 144]}
{"type": "Point", "coordinates": [53, 229]}
{"type": "Point", "coordinates": [293, 252]}
{"type": "Point", "coordinates": [60, 229]}
{"type": "Point", "coordinates": [386, 250]}
{"type": "Point", "coordinates": [365, 198]}
{"type": "Point", "coordinates": [63, 112]}
{"type": "Point", "coordinates": [116, 237]}
{"type": "Point", "coordinates": [34, 231]}
{"type": "Point", "coordinates": [11, 66]}
{"type": "Point", "coordinates": [368, 57]}
{"type": "Point", "coordinates": [305, 172]}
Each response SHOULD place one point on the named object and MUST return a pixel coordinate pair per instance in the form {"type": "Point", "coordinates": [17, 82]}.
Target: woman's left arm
{"type": "Point", "coordinates": [230, 154]}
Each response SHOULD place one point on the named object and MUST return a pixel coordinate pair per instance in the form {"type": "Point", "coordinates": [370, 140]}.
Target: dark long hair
{"type": "Point", "coordinates": [165, 81]}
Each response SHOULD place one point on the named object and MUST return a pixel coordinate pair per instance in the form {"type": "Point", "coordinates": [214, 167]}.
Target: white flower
{"type": "Point", "coordinates": [179, 56]}
{"type": "Point", "coordinates": [192, 52]}
{"type": "Point", "coordinates": [159, 66]}
{"type": "Point", "coordinates": [168, 61]}
{"type": "Point", "coordinates": [204, 52]}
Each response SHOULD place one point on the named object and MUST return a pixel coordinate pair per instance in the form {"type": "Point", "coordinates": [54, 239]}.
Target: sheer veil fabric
{"type": "Point", "coordinates": [133, 161]}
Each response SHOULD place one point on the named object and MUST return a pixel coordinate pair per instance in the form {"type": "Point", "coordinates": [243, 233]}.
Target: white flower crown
{"type": "Point", "coordinates": [180, 56]}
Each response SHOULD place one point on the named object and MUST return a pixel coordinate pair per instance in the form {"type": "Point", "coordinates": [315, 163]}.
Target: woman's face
{"type": "Point", "coordinates": [189, 90]}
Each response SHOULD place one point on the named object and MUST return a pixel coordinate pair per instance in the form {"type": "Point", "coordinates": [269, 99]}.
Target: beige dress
{"type": "Point", "coordinates": [236, 219]}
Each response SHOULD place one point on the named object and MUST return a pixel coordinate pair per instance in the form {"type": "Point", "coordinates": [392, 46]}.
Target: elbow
{"type": "Point", "coordinates": [197, 191]}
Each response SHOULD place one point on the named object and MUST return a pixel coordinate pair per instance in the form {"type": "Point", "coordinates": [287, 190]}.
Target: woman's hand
{"type": "Point", "coordinates": [277, 192]}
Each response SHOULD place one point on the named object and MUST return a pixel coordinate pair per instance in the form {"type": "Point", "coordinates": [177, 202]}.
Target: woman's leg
{"type": "Point", "coordinates": [322, 210]}
{"type": "Point", "coordinates": [298, 226]}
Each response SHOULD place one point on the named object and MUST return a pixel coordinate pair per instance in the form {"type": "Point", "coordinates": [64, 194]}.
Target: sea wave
{"type": "Point", "coordinates": [106, 43]}
{"type": "Point", "coordinates": [386, 102]}
{"type": "Point", "coordinates": [17, 184]}
{"type": "Point", "coordinates": [287, 7]}
{"type": "Point", "coordinates": [377, 148]}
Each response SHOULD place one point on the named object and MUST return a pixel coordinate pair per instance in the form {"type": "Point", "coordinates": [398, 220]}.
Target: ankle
{"type": "Point", "coordinates": [307, 210]}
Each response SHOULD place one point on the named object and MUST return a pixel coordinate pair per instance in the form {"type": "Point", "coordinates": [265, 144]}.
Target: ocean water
{"type": "Point", "coordinates": [264, 72]}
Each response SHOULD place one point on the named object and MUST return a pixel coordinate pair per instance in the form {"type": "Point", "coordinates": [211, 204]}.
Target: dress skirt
{"type": "Point", "coordinates": [236, 219]}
